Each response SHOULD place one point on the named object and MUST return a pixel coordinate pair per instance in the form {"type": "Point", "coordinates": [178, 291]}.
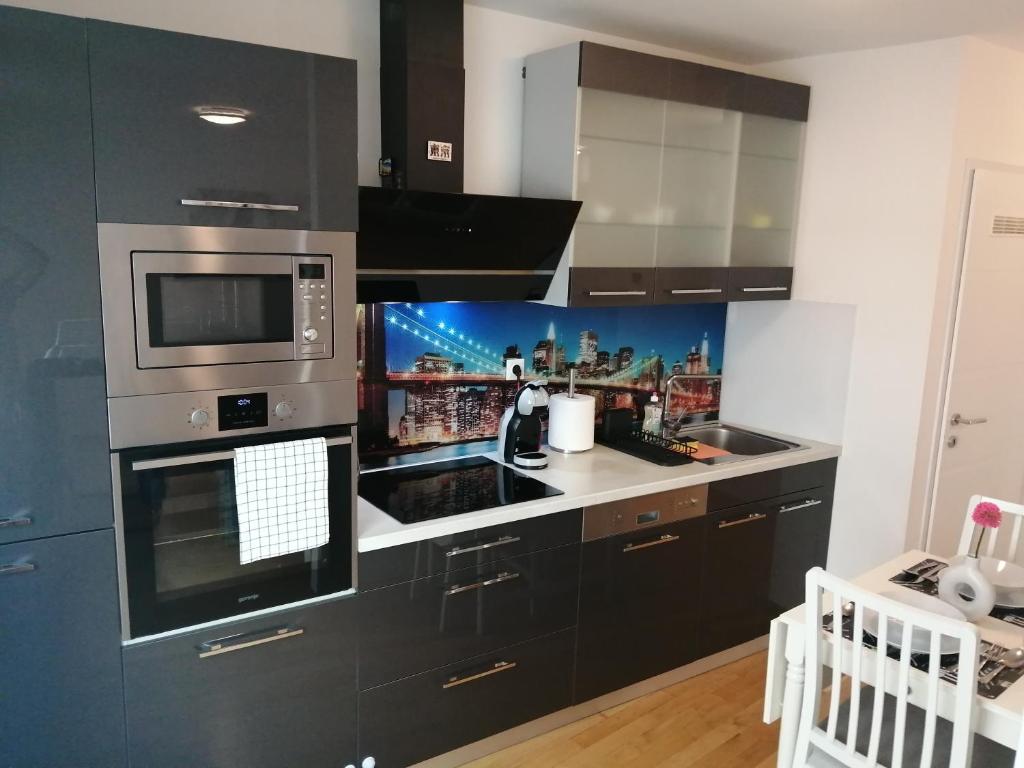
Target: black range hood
{"type": "Point", "coordinates": [420, 238]}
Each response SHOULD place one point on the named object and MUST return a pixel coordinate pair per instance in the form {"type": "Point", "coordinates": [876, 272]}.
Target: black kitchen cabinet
{"type": "Point", "coordinates": [440, 710]}
{"type": "Point", "coordinates": [54, 451]}
{"type": "Point", "coordinates": [801, 541]}
{"type": "Point", "coordinates": [273, 691]}
{"type": "Point", "coordinates": [61, 698]}
{"type": "Point", "coordinates": [295, 151]}
{"type": "Point", "coordinates": [426, 623]}
{"type": "Point", "coordinates": [639, 600]}
{"type": "Point", "coordinates": [734, 600]}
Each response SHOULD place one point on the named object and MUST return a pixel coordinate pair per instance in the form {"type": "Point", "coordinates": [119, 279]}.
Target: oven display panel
{"type": "Point", "coordinates": [242, 411]}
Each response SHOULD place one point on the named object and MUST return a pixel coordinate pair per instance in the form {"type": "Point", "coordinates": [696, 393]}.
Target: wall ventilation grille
{"type": "Point", "coordinates": [1008, 225]}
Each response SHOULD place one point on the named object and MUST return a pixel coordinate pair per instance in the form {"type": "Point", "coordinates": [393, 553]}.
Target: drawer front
{"type": "Point", "coordinates": [60, 668]}
{"type": "Point", "coordinates": [639, 600]}
{"type": "Point", "coordinates": [413, 719]}
{"type": "Point", "coordinates": [408, 628]}
{"type": "Point", "coordinates": [766, 485]}
{"type": "Point", "coordinates": [734, 584]}
{"type": "Point", "coordinates": [691, 285]}
{"type": "Point", "coordinates": [760, 283]}
{"type": "Point", "coordinates": [279, 690]}
{"type": "Point", "coordinates": [610, 287]}
{"type": "Point", "coordinates": [479, 547]}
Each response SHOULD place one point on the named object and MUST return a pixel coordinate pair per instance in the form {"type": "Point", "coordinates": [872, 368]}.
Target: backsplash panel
{"type": "Point", "coordinates": [432, 375]}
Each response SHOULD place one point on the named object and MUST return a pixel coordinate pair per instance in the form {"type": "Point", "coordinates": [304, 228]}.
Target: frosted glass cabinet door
{"type": "Point", "coordinates": [767, 179]}
{"type": "Point", "coordinates": [697, 184]}
{"type": "Point", "coordinates": [617, 168]}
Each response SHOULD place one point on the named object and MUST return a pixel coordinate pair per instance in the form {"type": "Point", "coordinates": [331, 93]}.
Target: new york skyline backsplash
{"type": "Point", "coordinates": [432, 375]}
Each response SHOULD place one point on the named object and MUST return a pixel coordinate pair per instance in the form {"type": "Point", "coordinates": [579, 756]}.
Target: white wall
{"type": "Point", "coordinates": [876, 171]}
{"type": "Point", "coordinates": [495, 46]}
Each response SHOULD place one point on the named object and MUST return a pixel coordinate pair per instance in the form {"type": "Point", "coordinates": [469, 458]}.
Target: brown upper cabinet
{"type": "Point", "coordinates": [689, 175]}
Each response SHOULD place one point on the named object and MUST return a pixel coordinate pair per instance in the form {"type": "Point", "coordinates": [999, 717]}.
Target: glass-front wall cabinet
{"type": "Point", "coordinates": [670, 184]}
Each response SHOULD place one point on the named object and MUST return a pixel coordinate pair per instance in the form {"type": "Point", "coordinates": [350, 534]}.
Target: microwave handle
{"type": "Point", "coordinates": [203, 458]}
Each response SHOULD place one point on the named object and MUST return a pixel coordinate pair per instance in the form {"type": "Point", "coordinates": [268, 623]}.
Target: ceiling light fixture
{"type": "Point", "coordinates": [223, 115]}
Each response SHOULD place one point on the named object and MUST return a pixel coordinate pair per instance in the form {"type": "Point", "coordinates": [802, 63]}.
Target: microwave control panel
{"type": "Point", "coordinates": [314, 307]}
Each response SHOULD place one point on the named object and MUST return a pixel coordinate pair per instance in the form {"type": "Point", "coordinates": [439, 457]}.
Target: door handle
{"type": "Point", "coordinates": [246, 640]}
{"type": "Point", "coordinates": [799, 505]}
{"type": "Point", "coordinates": [766, 289]}
{"type": "Point", "coordinates": [499, 666]}
{"type": "Point", "coordinates": [203, 458]}
{"type": "Point", "coordinates": [501, 578]}
{"type": "Point", "coordinates": [238, 204]}
{"type": "Point", "coordinates": [616, 293]}
{"type": "Point", "coordinates": [689, 291]}
{"type": "Point", "coordinates": [751, 518]}
{"type": "Point", "coordinates": [666, 538]}
{"type": "Point", "coordinates": [14, 522]}
{"type": "Point", "coordinates": [14, 568]}
{"type": "Point", "coordinates": [959, 420]}
{"type": "Point", "coordinates": [499, 542]}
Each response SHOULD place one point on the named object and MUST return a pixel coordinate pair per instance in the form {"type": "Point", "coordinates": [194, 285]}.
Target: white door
{"type": "Point", "coordinates": [984, 451]}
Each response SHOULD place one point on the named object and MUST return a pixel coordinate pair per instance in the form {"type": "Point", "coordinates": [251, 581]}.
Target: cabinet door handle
{"type": "Point", "coordinates": [239, 204]}
{"type": "Point", "coordinates": [499, 542]}
{"type": "Point", "coordinates": [616, 293]}
{"type": "Point", "coordinates": [799, 505]}
{"type": "Point", "coordinates": [14, 522]}
{"type": "Point", "coordinates": [11, 569]}
{"type": "Point", "coordinates": [767, 289]}
{"type": "Point", "coordinates": [501, 578]}
{"type": "Point", "coordinates": [499, 666]}
{"type": "Point", "coordinates": [666, 538]}
{"type": "Point", "coordinates": [752, 517]}
{"type": "Point", "coordinates": [246, 640]}
{"type": "Point", "coordinates": [689, 291]}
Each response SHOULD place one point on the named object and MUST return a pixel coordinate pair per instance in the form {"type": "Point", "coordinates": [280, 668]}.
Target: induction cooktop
{"type": "Point", "coordinates": [444, 488]}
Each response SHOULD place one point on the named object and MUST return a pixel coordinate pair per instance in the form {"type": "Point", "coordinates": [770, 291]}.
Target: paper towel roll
{"type": "Point", "coordinates": [571, 423]}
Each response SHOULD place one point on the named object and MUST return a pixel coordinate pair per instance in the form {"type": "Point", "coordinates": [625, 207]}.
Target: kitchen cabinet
{"type": "Point", "coordinates": [801, 541]}
{"type": "Point", "coordinates": [60, 660]}
{"type": "Point", "coordinates": [442, 709]}
{"type": "Point", "coordinates": [54, 451]}
{"type": "Point", "coordinates": [272, 691]}
{"type": "Point", "coordinates": [689, 175]}
{"type": "Point", "coordinates": [290, 163]}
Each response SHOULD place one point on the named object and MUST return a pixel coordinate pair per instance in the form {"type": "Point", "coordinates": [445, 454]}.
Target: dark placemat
{"type": "Point", "coordinates": [993, 677]}
{"type": "Point", "coordinates": [924, 577]}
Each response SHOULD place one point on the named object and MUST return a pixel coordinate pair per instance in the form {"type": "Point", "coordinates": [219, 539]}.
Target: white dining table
{"type": "Point", "coordinates": [998, 719]}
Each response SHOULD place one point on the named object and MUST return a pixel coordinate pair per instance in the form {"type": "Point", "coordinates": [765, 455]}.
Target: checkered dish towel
{"type": "Point", "coordinates": [281, 495]}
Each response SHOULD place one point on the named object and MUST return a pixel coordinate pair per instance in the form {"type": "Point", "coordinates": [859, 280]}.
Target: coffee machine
{"type": "Point", "coordinates": [520, 430]}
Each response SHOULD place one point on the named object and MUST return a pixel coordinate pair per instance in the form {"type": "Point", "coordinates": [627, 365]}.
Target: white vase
{"type": "Point", "coordinates": [965, 577]}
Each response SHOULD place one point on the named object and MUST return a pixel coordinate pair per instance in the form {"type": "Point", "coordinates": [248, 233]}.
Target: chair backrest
{"type": "Point", "coordinates": [859, 664]}
{"type": "Point", "coordinates": [1002, 542]}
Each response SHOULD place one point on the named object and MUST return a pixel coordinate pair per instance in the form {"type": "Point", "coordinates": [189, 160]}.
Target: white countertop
{"type": "Point", "coordinates": [595, 477]}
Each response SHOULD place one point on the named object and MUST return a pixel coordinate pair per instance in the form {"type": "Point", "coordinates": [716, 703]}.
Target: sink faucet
{"type": "Point", "coordinates": [672, 424]}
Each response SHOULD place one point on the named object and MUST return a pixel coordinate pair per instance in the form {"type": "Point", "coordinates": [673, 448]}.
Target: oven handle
{"type": "Point", "coordinates": [202, 458]}
{"type": "Point", "coordinates": [246, 640]}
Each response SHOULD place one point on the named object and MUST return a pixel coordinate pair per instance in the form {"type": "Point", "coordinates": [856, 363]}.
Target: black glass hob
{"type": "Point", "coordinates": [429, 491]}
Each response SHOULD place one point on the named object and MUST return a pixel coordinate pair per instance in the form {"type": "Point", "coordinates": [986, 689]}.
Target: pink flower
{"type": "Point", "coordinates": [987, 515]}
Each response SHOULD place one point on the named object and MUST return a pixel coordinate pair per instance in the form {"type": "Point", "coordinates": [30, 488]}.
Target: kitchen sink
{"type": "Point", "coordinates": [740, 443]}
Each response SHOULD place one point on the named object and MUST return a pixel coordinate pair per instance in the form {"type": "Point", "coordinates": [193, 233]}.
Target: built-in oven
{"type": "Point", "coordinates": [176, 505]}
{"type": "Point", "coordinates": [191, 308]}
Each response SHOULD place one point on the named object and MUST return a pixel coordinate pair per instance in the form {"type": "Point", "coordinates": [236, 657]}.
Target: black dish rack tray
{"type": "Point", "coordinates": [653, 448]}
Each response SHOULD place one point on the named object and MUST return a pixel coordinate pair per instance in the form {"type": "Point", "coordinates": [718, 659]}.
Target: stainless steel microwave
{"type": "Point", "coordinates": [201, 308]}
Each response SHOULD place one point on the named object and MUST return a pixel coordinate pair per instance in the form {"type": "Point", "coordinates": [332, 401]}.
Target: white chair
{"type": "Point", "coordinates": [1002, 542]}
{"type": "Point", "coordinates": [879, 725]}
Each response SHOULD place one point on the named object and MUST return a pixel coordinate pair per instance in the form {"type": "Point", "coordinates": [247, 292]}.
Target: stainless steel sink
{"type": "Point", "coordinates": [738, 442]}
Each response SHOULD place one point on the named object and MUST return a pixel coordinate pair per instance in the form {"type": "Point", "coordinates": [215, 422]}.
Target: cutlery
{"type": "Point", "coordinates": [1013, 658]}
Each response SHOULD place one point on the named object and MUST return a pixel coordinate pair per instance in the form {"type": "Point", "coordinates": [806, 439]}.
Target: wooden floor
{"type": "Point", "coordinates": [711, 721]}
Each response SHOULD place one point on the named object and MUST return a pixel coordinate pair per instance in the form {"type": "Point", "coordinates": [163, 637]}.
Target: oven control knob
{"type": "Point", "coordinates": [310, 334]}
{"type": "Point", "coordinates": [200, 417]}
{"type": "Point", "coordinates": [283, 410]}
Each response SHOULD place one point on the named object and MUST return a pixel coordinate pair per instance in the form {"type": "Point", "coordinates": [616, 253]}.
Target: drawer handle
{"type": "Point", "coordinates": [663, 539]}
{"type": "Point", "coordinates": [752, 517]}
{"type": "Point", "coordinates": [616, 293]}
{"type": "Point", "coordinates": [487, 545]}
{"type": "Point", "coordinates": [12, 569]}
{"type": "Point", "coordinates": [501, 578]}
{"type": "Point", "coordinates": [800, 505]}
{"type": "Point", "coordinates": [14, 522]}
{"type": "Point", "coordinates": [237, 204]}
{"type": "Point", "coordinates": [767, 289]}
{"type": "Point", "coordinates": [689, 291]}
{"type": "Point", "coordinates": [499, 666]}
{"type": "Point", "coordinates": [246, 640]}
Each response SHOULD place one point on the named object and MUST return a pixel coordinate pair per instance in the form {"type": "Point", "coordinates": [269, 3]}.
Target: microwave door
{"type": "Point", "coordinates": [194, 309]}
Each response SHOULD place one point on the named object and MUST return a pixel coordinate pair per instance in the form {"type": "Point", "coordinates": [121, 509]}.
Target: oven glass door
{"type": "Point", "coordinates": [213, 308]}
{"type": "Point", "coordinates": [181, 541]}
